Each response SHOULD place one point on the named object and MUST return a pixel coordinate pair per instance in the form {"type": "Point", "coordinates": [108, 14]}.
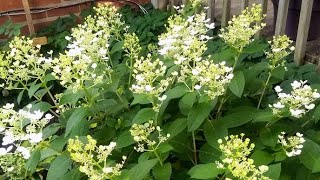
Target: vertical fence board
{"type": "Point", "coordinates": [225, 12]}
{"type": "Point", "coordinates": [163, 4]}
{"type": "Point", "coordinates": [244, 4]}
{"type": "Point", "coordinates": [211, 10]}
{"type": "Point", "coordinates": [282, 17]}
{"type": "Point", "coordinates": [155, 4]}
{"type": "Point", "coordinates": [303, 29]}
{"type": "Point", "coordinates": [28, 16]}
{"type": "Point", "coordinates": [264, 4]}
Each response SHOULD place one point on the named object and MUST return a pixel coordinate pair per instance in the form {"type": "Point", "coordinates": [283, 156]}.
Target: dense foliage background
{"type": "Point", "coordinates": [157, 95]}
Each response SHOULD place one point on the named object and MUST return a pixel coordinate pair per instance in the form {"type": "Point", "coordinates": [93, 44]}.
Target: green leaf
{"type": "Point", "coordinates": [177, 126]}
{"type": "Point", "coordinates": [47, 152]}
{"type": "Point", "coordinates": [77, 116]}
{"type": "Point", "coordinates": [42, 106]}
{"type": "Point", "coordinates": [198, 114]}
{"type": "Point", "coordinates": [261, 157]}
{"type": "Point", "coordinates": [33, 161]}
{"type": "Point", "coordinates": [263, 116]}
{"type": "Point", "coordinates": [19, 98]}
{"type": "Point", "coordinates": [59, 167]}
{"type": "Point", "coordinates": [186, 102]}
{"type": "Point", "coordinates": [140, 99]}
{"type": "Point", "coordinates": [71, 98]}
{"type": "Point", "coordinates": [162, 172]}
{"type": "Point", "coordinates": [214, 131]}
{"type": "Point", "coordinates": [269, 137]}
{"type": "Point", "coordinates": [33, 89]}
{"type": "Point", "coordinates": [237, 83]}
{"type": "Point", "coordinates": [274, 171]}
{"type": "Point", "coordinates": [117, 47]}
{"type": "Point", "coordinates": [74, 174]}
{"type": "Point", "coordinates": [205, 171]}
{"type": "Point", "coordinates": [144, 115]}
{"type": "Point", "coordinates": [141, 170]}
{"type": "Point", "coordinates": [208, 154]}
{"type": "Point", "coordinates": [177, 92]}
{"type": "Point", "coordinates": [279, 72]}
{"type": "Point", "coordinates": [125, 139]}
{"type": "Point", "coordinates": [316, 114]}
{"type": "Point", "coordinates": [310, 156]}
{"type": "Point", "coordinates": [238, 118]}
{"type": "Point", "coordinates": [50, 130]}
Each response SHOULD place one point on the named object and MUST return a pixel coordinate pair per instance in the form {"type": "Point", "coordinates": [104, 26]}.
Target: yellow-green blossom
{"type": "Point", "coordinates": [238, 34]}
{"type": "Point", "coordinates": [280, 48]}
{"type": "Point", "coordinates": [142, 135]}
{"type": "Point", "coordinates": [235, 152]}
{"type": "Point", "coordinates": [93, 159]}
{"type": "Point", "coordinates": [23, 63]}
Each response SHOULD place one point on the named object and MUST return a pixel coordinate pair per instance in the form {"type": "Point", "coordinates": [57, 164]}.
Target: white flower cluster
{"type": "Point", "coordinates": [242, 28]}
{"type": "Point", "coordinates": [298, 102]}
{"type": "Point", "coordinates": [210, 77]}
{"type": "Point", "coordinates": [185, 39]}
{"type": "Point", "coordinates": [88, 56]}
{"type": "Point", "coordinates": [185, 43]}
{"type": "Point", "coordinates": [280, 48]}
{"type": "Point", "coordinates": [235, 152]}
{"type": "Point", "coordinates": [93, 158]}
{"type": "Point", "coordinates": [22, 132]}
{"type": "Point", "coordinates": [291, 145]}
{"type": "Point", "coordinates": [141, 134]}
{"type": "Point", "coordinates": [19, 127]}
{"type": "Point", "coordinates": [150, 79]}
{"type": "Point", "coordinates": [16, 64]}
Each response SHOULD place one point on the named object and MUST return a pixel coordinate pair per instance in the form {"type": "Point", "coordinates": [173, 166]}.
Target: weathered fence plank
{"type": "Point", "coordinates": [28, 16]}
{"type": "Point", "coordinates": [282, 17]}
{"type": "Point", "coordinates": [211, 10]}
{"type": "Point", "coordinates": [303, 29]}
{"type": "Point", "coordinates": [244, 4]}
{"type": "Point", "coordinates": [225, 12]}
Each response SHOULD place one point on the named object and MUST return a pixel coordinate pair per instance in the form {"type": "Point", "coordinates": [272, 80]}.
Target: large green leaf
{"type": "Point", "coordinates": [198, 114]}
{"type": "Point", "coordinates": [117, 47]}
{"type": "Point", "coordinates": [214, 131]}
{"type": "Point", "coordinates": [162, 172]}
{"type": "Point", "coordinates": [33, 161]}
{"type": "Point", "coordinates": [125, 139]}
{"type": "Point", "coordinates": [237, 83]}
{"type": "Point", "coordinates": [144, 115]}
{"type": "Point", "coordinates": [177, 126]}
{"type": "Point", "coordinates": [205, 171]}
{"type": "Point", "coordinates": [77, 116]}
{"type": "Point", "coordinates": [261, 157]}
{"type": "Point", "coordinates": [177, 92]}
{"type": "Point", "coordinates": [141, 170]}
{"type": "Point", "coordinates": [59, 167]}
{"type": "Point", "coordinates": [310, 156]}
{"type": "Point", "coordinates": [274, 171]}
{"type": "Point", "coordinates": [238, 118]}
{"type": "Point", "coordinates": [187, 101]}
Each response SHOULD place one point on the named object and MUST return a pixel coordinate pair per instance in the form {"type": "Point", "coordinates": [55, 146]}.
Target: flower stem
{"type": "Point", "coordinates": [157, 155]}
{"type": "Point", "coordinates": [264, 90]}
{"type": "Point", "coordinates": [194, 148]}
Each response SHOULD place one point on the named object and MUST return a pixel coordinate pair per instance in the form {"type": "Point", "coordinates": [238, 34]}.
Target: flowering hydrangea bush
{"type": "Point", "coordinates": [194, 102]}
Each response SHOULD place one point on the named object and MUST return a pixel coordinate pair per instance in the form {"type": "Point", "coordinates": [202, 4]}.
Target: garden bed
{"type": "Point", "coordinates": [158, 95]}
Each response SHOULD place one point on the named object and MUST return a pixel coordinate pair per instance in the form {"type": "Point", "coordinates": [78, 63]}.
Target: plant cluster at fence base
{"type": "Point", "coordinates": [182, 105]}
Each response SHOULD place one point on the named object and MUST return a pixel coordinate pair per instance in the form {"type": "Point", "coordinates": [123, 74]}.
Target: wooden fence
{"type": "Point", "coordinates": [280, 25]}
